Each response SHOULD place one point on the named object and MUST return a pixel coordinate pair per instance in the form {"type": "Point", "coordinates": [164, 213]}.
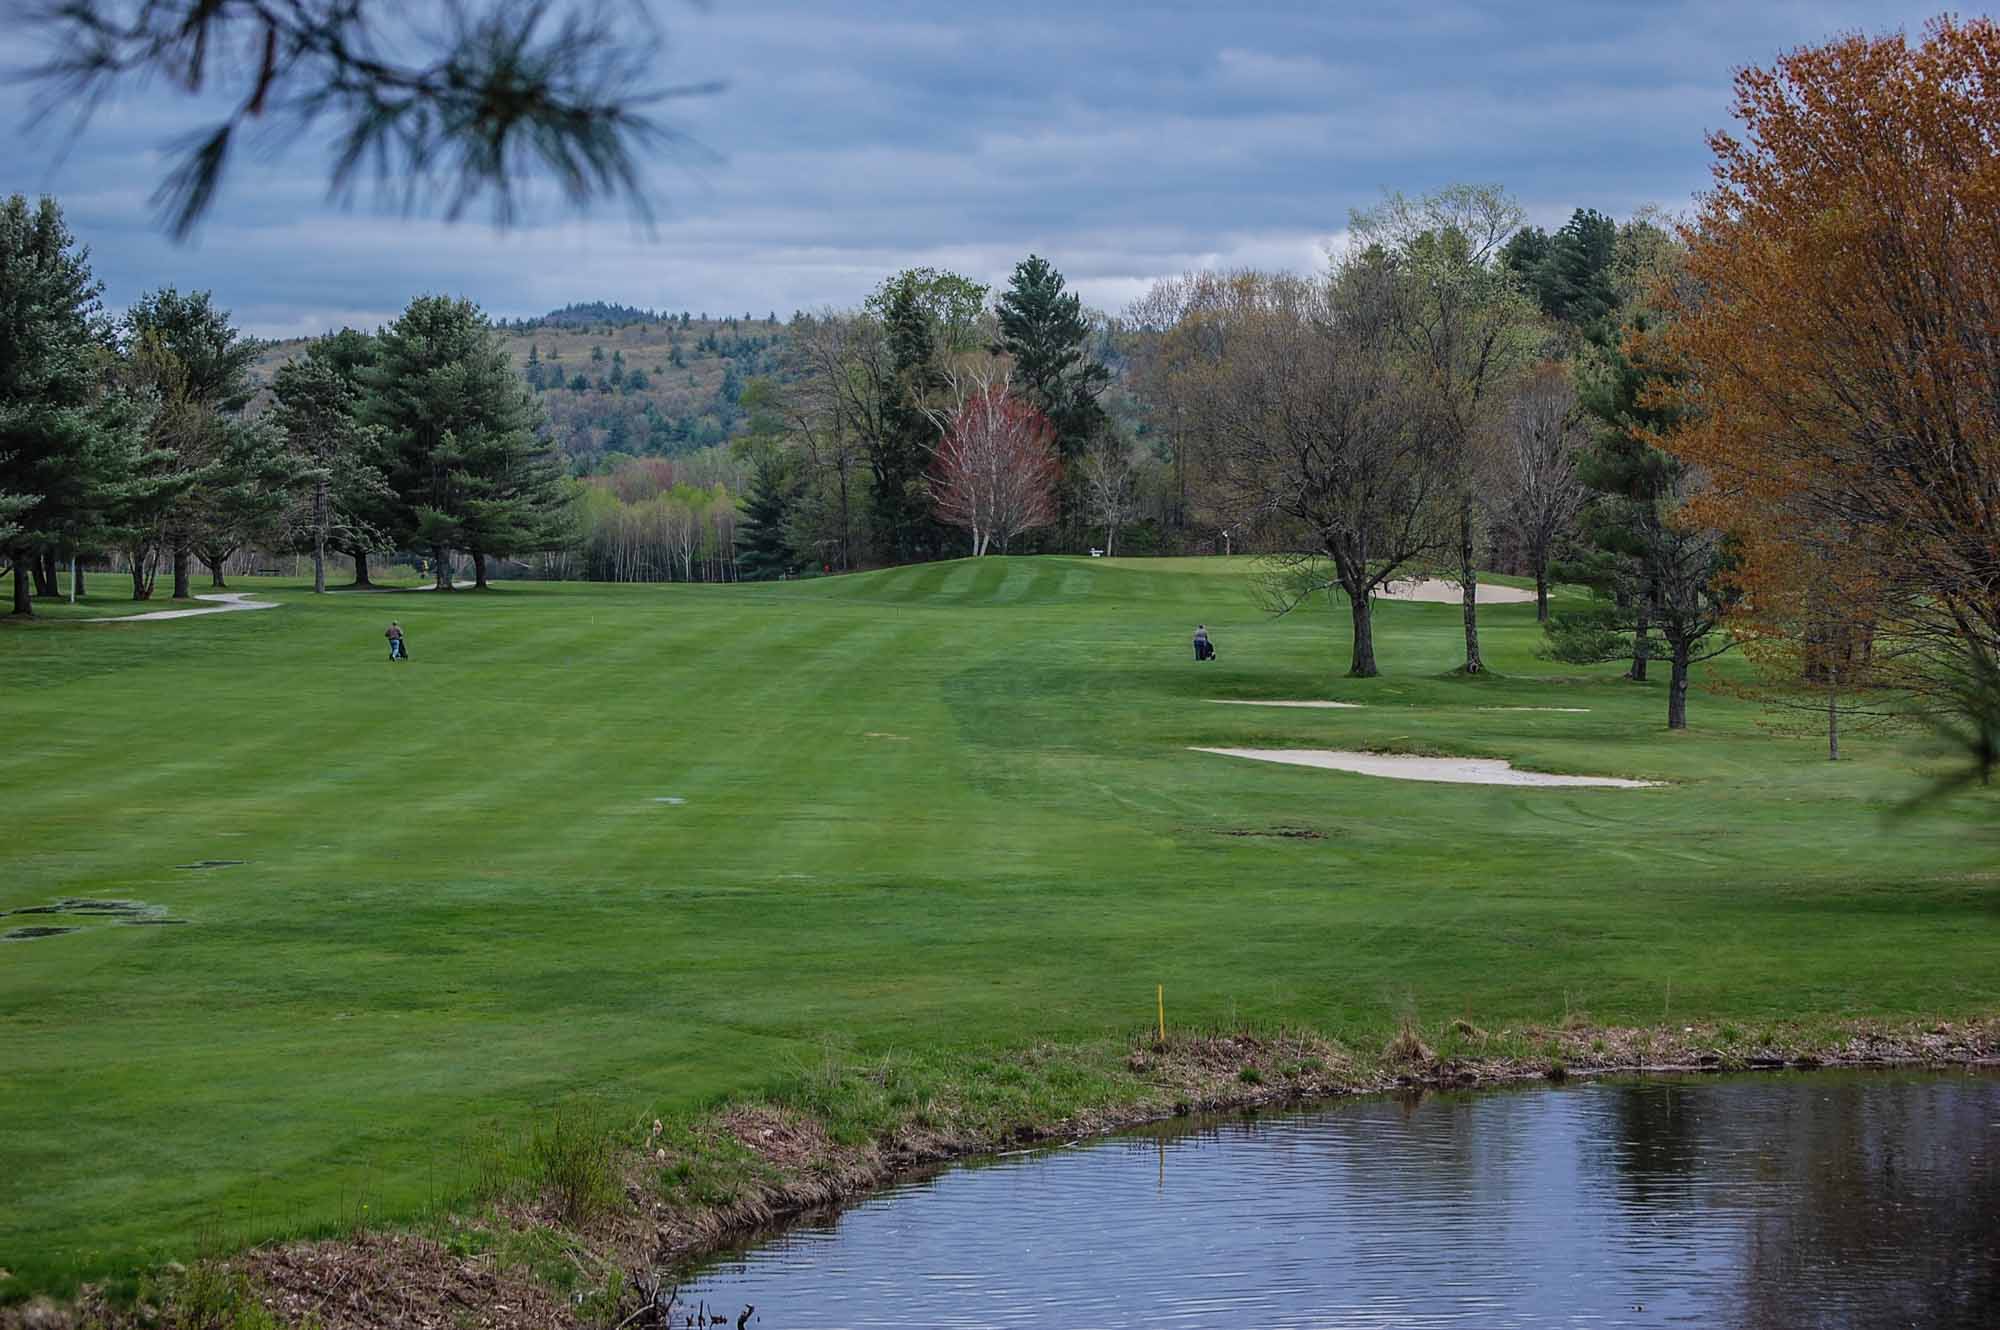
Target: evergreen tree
{"type": "Point", "coordinates": [617, 377]}
{"type": "Point", "coordinates": [468, 469]}
{"type": "Point", "coordinates": [339, 485]}
{"type": "Point", "coordinates": [197, 359]}
{"type": "Point", "coordinates": [70, 453]}
{"type": "Point", "coordinates": [1570, 274]}
{"type": "Point", "coordinates": [370, 509]}
{"type": "Point", "coordinates": [1662, 583]}
{"type": "Point", "coordinates": [900, 453]}
{"type": "Point", "coordinates": [1042, 326]}
{"type": "Point", "coordinates": [763, 550]}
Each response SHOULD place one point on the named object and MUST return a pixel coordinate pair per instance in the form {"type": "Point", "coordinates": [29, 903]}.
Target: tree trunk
{"type": "Point", "coordinates": [1542, 594]}
{"type": "Point", "coordinates": [23, 602]}
{"type": "Point", "coordinates": [144, 564]}
{"type": "Point", "coordinates": [442, 560]}
{"type": "Point", "coordinates": [215, 570]}
{"type": "Point", "coordinates": [43, 565]}
{"type": "Point", "coordinates": [478, 570]}
{"type": "Point", "coordinates": [1833, 725]}
{"type": "Point", "coordinates": [183, 567]}
{"type": "Point", "coordinates": [361, 569]}
{"type": "Point", "coordinates": [319, 567]}
{"type": "Point", "coordinates": [1469, 584]}
{"type": "Point", "coordinates": [846, 524]}
{"type": "Point", "coordinates": [1640, 644]}
{"type": "Point", "coordinates": [75, 578]}
{"type": "Point", "coordinates": [1363, 610]}
{"type": "Point", "coordinates": [1677, 688]}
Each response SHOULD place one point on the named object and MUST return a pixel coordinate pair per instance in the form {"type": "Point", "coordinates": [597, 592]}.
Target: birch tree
{"type": "Point", "coordinates": [995, 469]}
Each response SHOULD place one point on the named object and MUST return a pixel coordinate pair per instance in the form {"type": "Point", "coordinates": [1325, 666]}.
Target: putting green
{"type": "Point", "coordinates": [656, 844]}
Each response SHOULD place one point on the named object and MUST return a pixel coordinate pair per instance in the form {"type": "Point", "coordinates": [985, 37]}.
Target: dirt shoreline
{"type": "Point", "coordinates": [614, 1267]}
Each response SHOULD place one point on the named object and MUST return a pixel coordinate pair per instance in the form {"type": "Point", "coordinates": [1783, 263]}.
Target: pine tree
{"type": "Point", "coordinates": [340, 487]}
{"type": "Point", "coordinates": [1042, 326]}
{"type": "Point", "coordinates": [1570, 274]}
{"type": "Point", "coordinates": [201, 362]}
{"type": "Point", "coordinates": [763, 550]}
{"type": "Point", "coordinates": [1662, 582]}
{"type": "Point", "coordinates": [469, 472]}
{"type": "Point", "coordinates": [899, 455]}
{"type": "Point", "coordinates": [70, 450]}
{"type": "Point", "coordinates": [371, 508]}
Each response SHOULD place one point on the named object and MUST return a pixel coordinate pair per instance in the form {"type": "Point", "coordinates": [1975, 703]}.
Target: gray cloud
{"type": "Point", "coordinates": [1123, 141]}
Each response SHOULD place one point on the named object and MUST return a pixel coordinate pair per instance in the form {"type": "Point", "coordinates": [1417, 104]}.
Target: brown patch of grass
{"type": "Point", "coordinates": [1408, 1047]}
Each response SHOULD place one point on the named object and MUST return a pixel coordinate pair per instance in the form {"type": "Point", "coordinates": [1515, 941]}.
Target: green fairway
{"type": "Point", "coordinates": [942, 805]}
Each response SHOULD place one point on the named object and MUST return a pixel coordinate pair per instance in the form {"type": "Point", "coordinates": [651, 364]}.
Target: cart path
{"type": "Point", "coordinates": [227, 602]}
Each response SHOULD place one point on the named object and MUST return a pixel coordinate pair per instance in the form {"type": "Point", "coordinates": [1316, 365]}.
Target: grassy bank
{"type": "Point", "coordinates": [933, 814]}
{"type": "Point", "coordinates": [583, 1222]}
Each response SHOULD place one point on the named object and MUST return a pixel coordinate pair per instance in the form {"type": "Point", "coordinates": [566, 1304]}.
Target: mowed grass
{"type": "Point", "coordinates": [949, 806]}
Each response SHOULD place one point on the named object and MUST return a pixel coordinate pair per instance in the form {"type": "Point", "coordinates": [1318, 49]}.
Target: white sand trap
{"type": "Point", "coordinates": [227, 602]}
{"type": "Point", "coordinates": [1396, 766]}
{"type": "Point", "coordinates": [1437, 591]}
{"type": "Point", "coordinates": [1258, 702]}
{"type": "Point", "coordinates": [1581, 711]}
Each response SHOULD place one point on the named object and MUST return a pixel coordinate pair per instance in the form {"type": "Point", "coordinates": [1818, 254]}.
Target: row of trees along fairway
{"type": "Point", "coordinates": [861, 450]}
{"type": "Point", "coordinates": [134, 436]}
{"type": "Point", "coordinates": [1455, 390]}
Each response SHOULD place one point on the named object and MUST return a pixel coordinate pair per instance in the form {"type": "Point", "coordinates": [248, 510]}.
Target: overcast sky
{"type": "Point", "coordinates": [1121, 141]}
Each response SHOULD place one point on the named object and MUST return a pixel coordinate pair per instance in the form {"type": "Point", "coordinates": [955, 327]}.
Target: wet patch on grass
{"type": "Point", "coordinates": [86, 907]}
{"type": "Point", "coordinates": [212, 863]}
{"type": "Point", "coordinates": [1277, 833]}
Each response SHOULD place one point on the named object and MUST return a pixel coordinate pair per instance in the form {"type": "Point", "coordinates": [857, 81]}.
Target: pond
{"type": "Point", "coordinates": [1802, 1199]}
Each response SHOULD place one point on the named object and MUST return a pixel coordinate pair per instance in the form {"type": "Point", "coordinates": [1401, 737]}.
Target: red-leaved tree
{"type": "Point", "coordinates": [995, 471]}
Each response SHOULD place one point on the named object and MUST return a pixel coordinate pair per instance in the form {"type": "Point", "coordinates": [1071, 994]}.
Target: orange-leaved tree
{"type": "Point", "coordinates": [1837, 337]}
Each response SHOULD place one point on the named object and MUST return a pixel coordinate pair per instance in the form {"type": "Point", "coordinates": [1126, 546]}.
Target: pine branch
{"type": "Point", "coordinates": [512, 92]}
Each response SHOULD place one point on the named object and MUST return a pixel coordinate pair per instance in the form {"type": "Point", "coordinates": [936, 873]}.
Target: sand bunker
{"type": "Point", "coordinates": [1396, 766]}
{"type": "Point", "coordinates": [1259, 702]}
{"type": "Point", "coordinates": [1437, 591]}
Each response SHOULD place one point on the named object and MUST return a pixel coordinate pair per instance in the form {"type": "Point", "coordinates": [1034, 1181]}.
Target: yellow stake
{"type": "Point", "coordinates": [1162, 995]}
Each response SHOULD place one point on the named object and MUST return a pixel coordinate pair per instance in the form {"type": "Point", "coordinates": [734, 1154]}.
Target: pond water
{"type": "Point", "coordinates": [1811, 1199]}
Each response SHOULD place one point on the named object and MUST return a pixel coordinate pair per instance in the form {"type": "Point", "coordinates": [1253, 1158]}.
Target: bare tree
{"type": "Point", "coordinates": [1463, 328]}
{"type": "Point", "coordinates": [995, 470]}
{"type": "Point", "coordinates": [1311, 432]}
{"type": "Point", "coordinates": [1535, 490]}
{"type": "Point", "coordinates": [1110, 486]}
{"type": "Point", "coordinates": [835, 405]}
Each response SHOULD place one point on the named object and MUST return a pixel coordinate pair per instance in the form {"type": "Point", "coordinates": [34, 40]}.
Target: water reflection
{"type": "Point", "coordinates": [1814, 1200]}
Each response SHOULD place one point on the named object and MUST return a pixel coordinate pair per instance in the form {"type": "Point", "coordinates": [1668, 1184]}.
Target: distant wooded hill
{"type": "Point", "coordinates": [616, 379]}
